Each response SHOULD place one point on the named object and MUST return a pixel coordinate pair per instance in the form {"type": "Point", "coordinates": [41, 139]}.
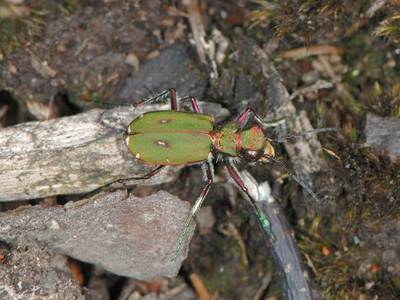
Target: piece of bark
{"type": "Point", "coordinates": [304, 152]}
{"type": "Point", "coordinates": [383, 134]}
{"type": "Point", "coordinates": [126, 235]}
{"type": "Point", "coordinates": [297, 284]}
{"type": "Point", "coordinates": [74, 154]}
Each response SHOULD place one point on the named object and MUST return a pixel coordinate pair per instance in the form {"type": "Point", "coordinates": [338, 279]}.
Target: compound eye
{"type": "Point", "coordinates": [251, 155]}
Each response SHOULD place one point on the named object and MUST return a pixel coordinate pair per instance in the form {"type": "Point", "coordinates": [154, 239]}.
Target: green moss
{"type": "Point", "coordinates": [17, 31]}
{"type": "Point", "coordinates": [390, 29]}
{"type": "Point", "coordinates": [69, 6]}
{"type": "Point", "coordinates": [396, 282]}
{"type": "Point", "coordinates": [8, 33]}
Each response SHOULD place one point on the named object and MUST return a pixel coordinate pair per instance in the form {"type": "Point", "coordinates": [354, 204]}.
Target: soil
{"type": "Point", "coordinates": [63, 57]}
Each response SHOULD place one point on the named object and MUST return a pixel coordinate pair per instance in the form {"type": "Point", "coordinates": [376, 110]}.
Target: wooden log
{"type": "Point", "coordinates": [71, 155]}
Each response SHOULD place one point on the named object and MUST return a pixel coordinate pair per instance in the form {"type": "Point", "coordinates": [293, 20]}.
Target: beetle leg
{"type": "Point", "coordinates": [265, 224]}
{"type": "Point", "coordinates": [145, 176]}
{"type": "Point", "coordinates": [242, 119]}
{"type": "Point", "coordinates": [160, 96]}
{"type": "Point", "coordinates": [195, 105]}
{"type": "Point", "coordinates": [196, 207]}
{"type": "Point", "coordinates": [150, 174]}
{"type": "Point", "coordinates": [173, 99]}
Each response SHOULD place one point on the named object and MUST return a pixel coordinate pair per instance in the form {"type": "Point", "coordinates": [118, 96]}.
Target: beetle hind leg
{"type": "Point", "coordinates": [173, 100]}
{"type": "Point", "coordinates": [160, 97]}
{"type": "Point", "coordinates": [194, 104]}
{"type": "Point", "coordinates": [195, 209]}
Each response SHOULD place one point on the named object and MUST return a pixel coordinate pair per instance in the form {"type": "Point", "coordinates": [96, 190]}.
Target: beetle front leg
{"type": "Point", "coordinates": [243, 118]}
{"type": "Point", "coordinates": [265, 224]}
{"type": "Point", "coordinates": [195, 209]}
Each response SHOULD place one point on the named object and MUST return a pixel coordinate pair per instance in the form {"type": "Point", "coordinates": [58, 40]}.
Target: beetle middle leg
{"type": "Point", "coordinates": [195, 209]}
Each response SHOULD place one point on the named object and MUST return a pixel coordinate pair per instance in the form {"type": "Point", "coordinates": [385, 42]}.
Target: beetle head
{"type": "Point", "coordinates": [269, 151]}
{"type": "Point", "coordinates": [263, 154]}
{"type": "Point", "coordinates": [254, 146]}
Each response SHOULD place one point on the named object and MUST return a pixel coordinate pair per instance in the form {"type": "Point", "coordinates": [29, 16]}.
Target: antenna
{"type": "Point", "coordinates": [307, 132]}
{"type": "Point", "coordinates": [297, 179]}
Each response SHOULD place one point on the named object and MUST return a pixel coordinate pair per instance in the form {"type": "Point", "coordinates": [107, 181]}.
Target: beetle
{"type": "Point", "coordinates": [173, 137]}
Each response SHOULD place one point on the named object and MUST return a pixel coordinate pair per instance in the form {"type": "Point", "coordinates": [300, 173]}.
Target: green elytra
{"type": "Point", "coordinates": [177, 137]}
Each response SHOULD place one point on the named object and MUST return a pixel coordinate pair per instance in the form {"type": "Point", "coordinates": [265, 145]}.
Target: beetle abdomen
{"type": "Point", "coordinates": [170, 148]}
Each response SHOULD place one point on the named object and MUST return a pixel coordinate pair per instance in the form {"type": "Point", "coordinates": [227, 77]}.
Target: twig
{"type": "Point", "coordinates": [264, 285]}
{"type": "Point", "coordinates": [304, 52]}
{"type": "Point", "coordinates": [296, 281]}
{"type": "Point", "coordinates": [205, 49]}
{"type": "Point", "coordinates": [199, 286]}
{"type": "Point", "coordinates": [319, 85]}
{"type": "Point", "coordinates": [232, 231]}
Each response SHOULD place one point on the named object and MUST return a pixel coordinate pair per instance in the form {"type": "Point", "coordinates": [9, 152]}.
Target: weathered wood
{"type": "Point", "coordinates": [72, 155]}
{"type": "Point", "coordinates": [304, 152]}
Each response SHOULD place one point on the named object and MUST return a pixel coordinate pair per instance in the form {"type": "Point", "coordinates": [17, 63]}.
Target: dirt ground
{"type": "Point", "coordinates": [340, 63]}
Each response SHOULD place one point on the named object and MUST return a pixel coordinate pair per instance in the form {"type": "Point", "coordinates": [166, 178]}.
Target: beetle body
{"type": "Point", "coordinates": [179, 137]}
{"type": "Point", "coordinates": [175, 137]}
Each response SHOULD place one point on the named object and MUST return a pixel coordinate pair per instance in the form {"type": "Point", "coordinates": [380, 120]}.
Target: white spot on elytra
{"type": "Point", "coordinates": [161, 143]}
{"type": "Point", "coordinates": [137, 155]}
{"type": "Point", "coordinates": [168, 161]}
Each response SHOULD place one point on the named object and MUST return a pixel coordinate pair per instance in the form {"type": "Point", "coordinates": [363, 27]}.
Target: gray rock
{"type": "Point", "coordinates": [126, 235]}
{"type": "Point", "coordinates": [171, 69]}
{"type": "Point", "coordinates": [383, 134]}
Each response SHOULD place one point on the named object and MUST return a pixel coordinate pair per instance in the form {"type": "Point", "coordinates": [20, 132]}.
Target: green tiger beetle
{"type": "Point", "coordinates": [173, 137]}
